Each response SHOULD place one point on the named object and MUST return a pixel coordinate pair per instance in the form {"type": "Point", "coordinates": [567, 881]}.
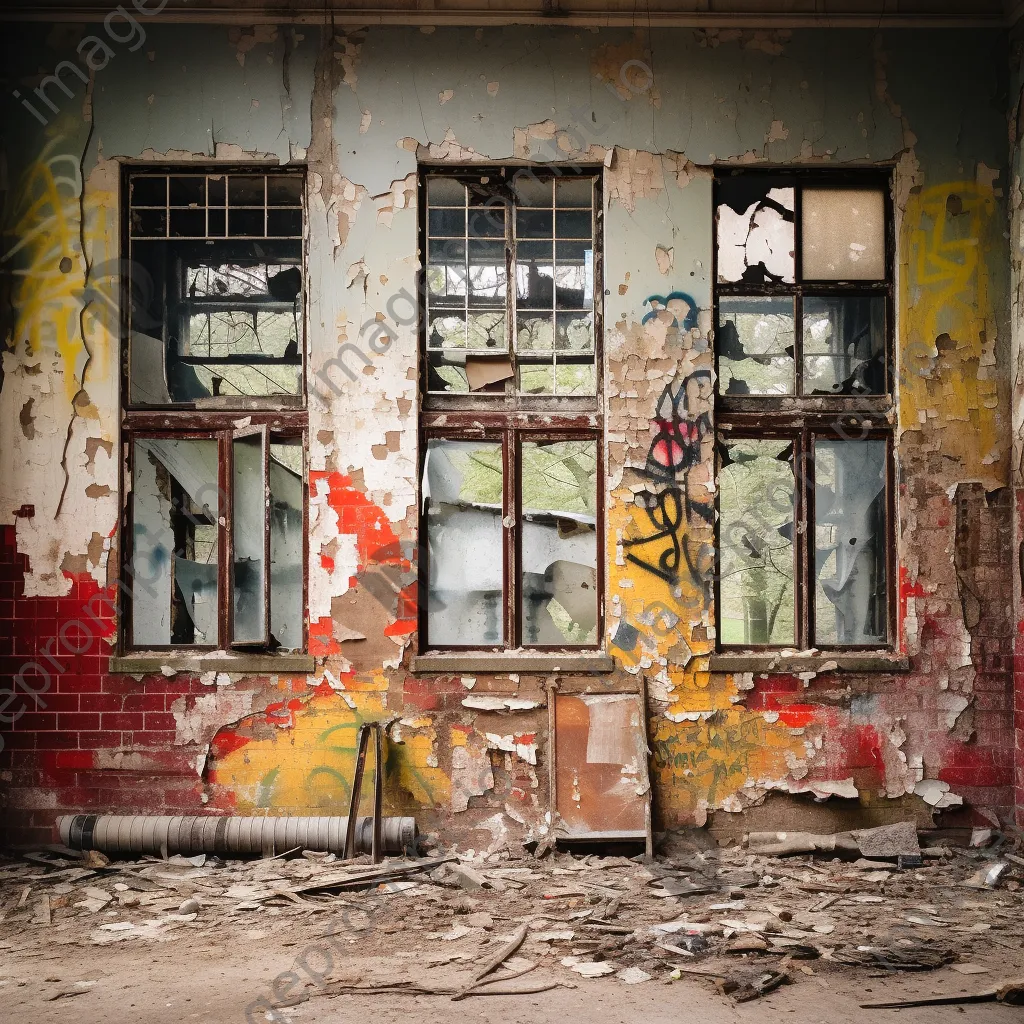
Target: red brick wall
{"type": "Point", "coordinates": [87, 740]}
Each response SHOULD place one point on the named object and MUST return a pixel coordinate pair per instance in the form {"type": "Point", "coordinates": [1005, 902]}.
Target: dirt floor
{"type": "Point", "coordinates": [610, 939]}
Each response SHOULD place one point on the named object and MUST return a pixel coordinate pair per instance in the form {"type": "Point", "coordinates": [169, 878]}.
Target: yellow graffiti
{"type": "Point", "coordinates": [704, 764]}
{"type": "Point", "coordinates": [42, 252]}
{"type": "Point", "coordinates": [948, 334]}
{"type": "Point", "coordinates": [305, 766]}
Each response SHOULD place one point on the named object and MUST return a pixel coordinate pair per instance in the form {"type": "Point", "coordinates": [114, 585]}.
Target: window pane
{"type": "Point", "coordinates": [755, 504]}
{"type": "Point", "coordinates": [446, 373]}
{"type": "Point", "coordinates": [574, 192]}
{"type": "Point", "coordinates": [486, 273]}
{"type": "Point", "coordinates": [175, 542]}
{"type": "Point", "coordinates": [248, 573]}
{"type": "Point", "coordinates": [755, 346]}
{"type": "Point", "coordinates": [535, 275]}
{"type": "Point", "coordinates": [286, 542]}
{"type": "Point", "coordinates": [844, 345]}
{"type": "Point", "coordinates": [574, 275]}
{"type": "Point", "coordinates": [559, 542]}
{"type": "Point", "coordinates": [487, 221]}
{"type": "Point", "coordinates": [850, 604]}
{"type": "Point", "coordinates": [755, 231]}
{"type": "Point", "coordinates": [445, 192]}
{"type": "Point", "coordinates": [843, 234]}
{"type": "Point", "coordinates": [231, 324]}
{"type": "Point", "coordinates": [462, 496]}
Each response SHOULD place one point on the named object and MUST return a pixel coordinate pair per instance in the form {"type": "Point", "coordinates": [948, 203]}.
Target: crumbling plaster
{"type": "Point", "coordinates": [362, 108]}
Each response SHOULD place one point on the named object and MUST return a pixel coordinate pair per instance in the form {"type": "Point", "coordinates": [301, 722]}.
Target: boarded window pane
{"type": "Point", "coordinates": [850, 542]}
{"type": "Point", "coordinates": [462, 495]}
{"type": "Point", "coordinates": [843, 234]}
{"type": "Point", "coordinates": [755, 346]}
{"type": "Point", "coordinates": [756, 503]}
{"type": "Point", "coordinates": [175, 542]}
{"type": "Point", "coordinates": [844, 345]}
{"type": "Point", "coordinates": [559, 538]}
{"type": "Point", "coordinates": [286, 540]}
{"type": "Point", "coordinates": [249, 568]}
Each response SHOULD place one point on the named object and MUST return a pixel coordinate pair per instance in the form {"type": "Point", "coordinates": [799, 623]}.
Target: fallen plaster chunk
{"type": "Point", "coordinates": [936, 794]}
{"type": "Point", "coordinates": [489, 702]}
{"type": "Point", "coordinates": [468, 682]}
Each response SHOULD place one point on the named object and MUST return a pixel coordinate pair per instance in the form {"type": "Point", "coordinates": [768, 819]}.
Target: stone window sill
{"type": "Point", "coordinates": [575, 662]}
{"type": "Point", "coordinates": [795, 663]}
{"type": "Point", "coordinates": [237, 663]}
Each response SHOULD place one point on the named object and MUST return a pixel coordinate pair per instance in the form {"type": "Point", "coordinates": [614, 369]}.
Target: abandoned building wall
{"type": "Point", "coordinates": [362, 109]}
{"type": "Point", "coordinates": [1016, 257]}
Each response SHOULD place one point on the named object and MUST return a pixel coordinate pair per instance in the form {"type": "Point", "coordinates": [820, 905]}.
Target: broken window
{"type": "Point", "coordinates": [804, 410]}
{"type": "Point", "coordinates": [215, 490]}
{"type": "Point", "coordinates": [216, 286]}
{"type": "Point", "coordinates": [511, 424]}
{"type": "Point", "coordinates": [510, 283]}
{"type": "Point", "coordinates": [182, 540]}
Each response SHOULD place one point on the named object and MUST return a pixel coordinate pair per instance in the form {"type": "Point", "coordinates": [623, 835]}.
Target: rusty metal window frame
{"type": "Point", "coordinates": [802, 418]}
{"type": "Point", "coordinates": [277, 417]}
{"type": "Point", "coordinates": [510, 417]}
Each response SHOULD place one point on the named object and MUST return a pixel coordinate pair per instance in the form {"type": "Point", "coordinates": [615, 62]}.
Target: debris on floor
{"type": "Point", "coordinates": [737, 917]}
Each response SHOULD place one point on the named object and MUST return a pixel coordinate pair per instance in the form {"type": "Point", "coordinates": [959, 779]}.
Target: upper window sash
{"type": "Point", "coordinates": [803, 270]}
{"type": "Point", "coordinates": [512, 279]}
{"type": "Point", "coordinates": [216, 285]}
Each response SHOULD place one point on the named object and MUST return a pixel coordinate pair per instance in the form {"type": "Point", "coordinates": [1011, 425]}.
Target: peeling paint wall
{"type": "Point", "coordinates": [361, 109]}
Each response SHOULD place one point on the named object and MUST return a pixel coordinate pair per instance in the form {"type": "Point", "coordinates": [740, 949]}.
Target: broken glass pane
{"type": "Point", "coordinates": [843, 234]}
{"type": "Point", "coordinates": [175, 542]}
{"type": "Point", "coordinates": [248, 503]}
{"type": "Point", "coordinates": [844, 345]}
{"type": "Point", "coordinates": [755, 231]}
{"type": "Point", "coordinates": [559, 542]}
{"type": "Point", "coordinates": [755, 341]}
{"type": "Point", "coordinates": [446, 372]}
{"type": "Point", "coordinates": [850, 605]}
{"type": "Point", "coordinates": [462, 501]}
{"type": "Point", "coordinates": [286, 540]}
{"type": "Point", "coordinates": [756, 502]}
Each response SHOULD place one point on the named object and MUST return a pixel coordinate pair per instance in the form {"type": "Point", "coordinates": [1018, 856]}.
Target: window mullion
{"type": "Point", "coordinates": [510, 531]}
{"type": "Point", "coordinates": [805, 548]}
{"type": "Point", "coordinates": [225, 535]}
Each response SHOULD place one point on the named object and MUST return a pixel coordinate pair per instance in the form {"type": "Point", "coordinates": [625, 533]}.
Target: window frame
{"type": "Point", "coordinates": [275, 416]}
{"type": "Point", "coordinates": [510, 400]}
{"type": "Point", "coordinates": [511, 418]}
{"type": "Point", "coordinates": [175, 304]}
{"type": "Point", "coordinates": [805, 418]}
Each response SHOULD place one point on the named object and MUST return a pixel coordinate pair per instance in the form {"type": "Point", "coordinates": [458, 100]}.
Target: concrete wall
{"type": "Point", "coordinates": [360, 109]}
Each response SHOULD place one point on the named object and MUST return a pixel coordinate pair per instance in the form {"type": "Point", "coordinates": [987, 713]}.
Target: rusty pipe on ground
{"type": "Point", "coordinates": [227, 835]}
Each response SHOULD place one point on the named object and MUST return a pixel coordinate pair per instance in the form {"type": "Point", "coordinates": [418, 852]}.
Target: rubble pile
{"type": "Point", "coordinates": [782, 908]}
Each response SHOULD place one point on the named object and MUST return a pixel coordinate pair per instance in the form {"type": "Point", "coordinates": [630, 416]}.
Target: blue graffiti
{"type": "Point", "coordinates": [661, 302]}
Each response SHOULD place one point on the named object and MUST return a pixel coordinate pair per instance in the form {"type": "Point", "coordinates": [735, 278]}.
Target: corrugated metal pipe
{"type": "Point", "coordinates": [162, 835]}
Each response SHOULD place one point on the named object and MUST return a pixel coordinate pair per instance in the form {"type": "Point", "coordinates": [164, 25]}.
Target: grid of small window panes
{"type": "Point", "coordinates": [537, 231]}
{"type": "Point", "coordinates": [215, 205]}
